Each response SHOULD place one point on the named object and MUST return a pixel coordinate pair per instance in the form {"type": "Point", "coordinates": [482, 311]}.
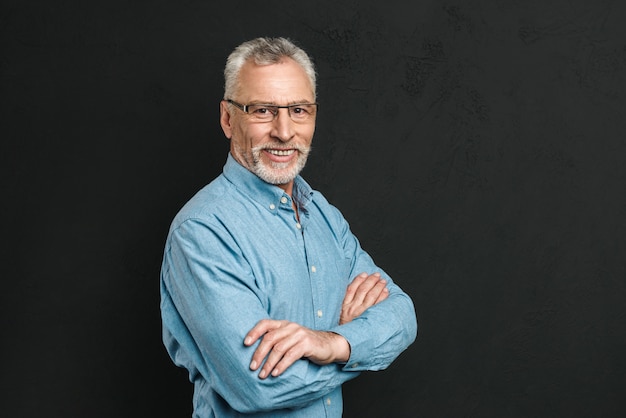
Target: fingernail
{"type": "Point", "coordinates": [247, 341]}
{"type": "Point", "coordinates": [253, 365]}
{"type": "Point", "coordinates": [262, 374]}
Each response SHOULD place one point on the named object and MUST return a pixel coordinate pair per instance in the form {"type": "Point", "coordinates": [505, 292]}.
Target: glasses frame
{"type": "Point", "coordinates": [244, 108]}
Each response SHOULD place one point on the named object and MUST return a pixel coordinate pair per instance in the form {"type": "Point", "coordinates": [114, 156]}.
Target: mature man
{"type": "Point", "coordinates": [266, 296]}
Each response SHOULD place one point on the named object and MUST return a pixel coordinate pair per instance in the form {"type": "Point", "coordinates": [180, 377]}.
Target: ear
{"type": "Point", "coordinates": [225, 119]}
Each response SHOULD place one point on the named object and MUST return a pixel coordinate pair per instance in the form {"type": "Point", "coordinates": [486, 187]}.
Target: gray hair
{"type": "Point", "coordinates": [264, 51]}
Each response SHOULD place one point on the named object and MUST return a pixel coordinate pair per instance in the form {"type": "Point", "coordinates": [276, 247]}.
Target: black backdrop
{"type": "Point", "coordinates": [476, 147]}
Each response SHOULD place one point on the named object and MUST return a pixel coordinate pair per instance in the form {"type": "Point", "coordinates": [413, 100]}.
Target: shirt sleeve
{"type": "Point", "coordinates": [382, 332]}
{"type": "Point", "coordinates": [209, 302]}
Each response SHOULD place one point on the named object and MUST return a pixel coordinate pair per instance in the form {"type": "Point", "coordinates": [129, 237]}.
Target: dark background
{"type": "Point", "coordinates": [476, 147]}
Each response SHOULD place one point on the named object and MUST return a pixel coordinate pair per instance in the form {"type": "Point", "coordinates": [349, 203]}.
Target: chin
{"type": "Point", "coordinates": [274, 174]}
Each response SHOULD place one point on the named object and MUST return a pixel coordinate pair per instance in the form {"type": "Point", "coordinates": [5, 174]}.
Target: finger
{"type": "Point", "coordinates": [320, 347]}
{"type": "Point", "coordinates": [374, 293]}
{"type": "Point", "coordinates": [265, 347]}
{"type": "Point", "coordinates": [289, 357]}
{"type": "Point", "coordinates": [283, 349]}
{"type": "Point", "coordinates": [261, 328]}
{"type": "Point", "coordinates": [353, 287]}
{"type": "Point", "coordinates": [365, 287]}
{"type": "Point", "coordinates": [383, 295]}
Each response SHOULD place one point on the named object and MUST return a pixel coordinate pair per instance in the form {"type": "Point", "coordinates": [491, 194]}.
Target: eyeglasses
{"type": "Point", "coordinates": [300, 112]}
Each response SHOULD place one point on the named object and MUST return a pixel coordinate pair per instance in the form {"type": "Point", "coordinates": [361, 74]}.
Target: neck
{"type": "Point", "coordinates": [287, 188]}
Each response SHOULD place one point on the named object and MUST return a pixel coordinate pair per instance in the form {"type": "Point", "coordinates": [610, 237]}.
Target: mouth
{"type": "Point", "coordinates": [280, 152]}
{"type": "Point", "coordinates": [280, 156]}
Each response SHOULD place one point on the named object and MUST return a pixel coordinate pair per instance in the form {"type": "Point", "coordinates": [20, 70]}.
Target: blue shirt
{"type": "Point", "coordinates": [236, 253]}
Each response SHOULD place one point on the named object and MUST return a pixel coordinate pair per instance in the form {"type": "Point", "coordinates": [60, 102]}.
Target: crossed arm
{"type": "Point", "coordinates": [367, 331]}
{"type": "Point", "coordinates": [283, 342]}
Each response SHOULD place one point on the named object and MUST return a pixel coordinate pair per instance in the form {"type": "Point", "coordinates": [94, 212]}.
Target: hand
{"type": "Point", "coordinates": [364, 292]}
{"type": "Point", "coordinates": [284, 342]}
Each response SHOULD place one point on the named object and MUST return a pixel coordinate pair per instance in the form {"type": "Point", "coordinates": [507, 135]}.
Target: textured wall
{"type": "Point", "coordinates": [475, 147]}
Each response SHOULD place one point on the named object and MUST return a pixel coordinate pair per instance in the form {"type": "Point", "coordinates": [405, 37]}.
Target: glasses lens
{"type": "Point", "coordinates": [263, 113]}
{"type": "Point", "coordinates": [302, 111]}
{"type": "Point", "coordinates": [267, 113]}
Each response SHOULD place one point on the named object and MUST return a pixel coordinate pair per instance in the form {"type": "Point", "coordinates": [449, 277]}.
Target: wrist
{"type": "Point", "coordinates": [341, 348]}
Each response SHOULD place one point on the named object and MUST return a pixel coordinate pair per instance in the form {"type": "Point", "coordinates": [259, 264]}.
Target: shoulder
{"type": "Point", "coordinates": [326, 209]}
{"type": "Point", "coordinates": [206, 204]}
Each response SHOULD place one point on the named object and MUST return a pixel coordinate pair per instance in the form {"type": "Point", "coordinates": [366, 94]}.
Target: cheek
{"type": "Point", "coordinates": [247, 137]}
{"type": "Point", "coordinates": [308, 134]}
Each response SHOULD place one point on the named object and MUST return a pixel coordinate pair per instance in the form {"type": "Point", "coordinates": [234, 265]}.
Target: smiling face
{"type": "Point", "coordinates": [275, 151]}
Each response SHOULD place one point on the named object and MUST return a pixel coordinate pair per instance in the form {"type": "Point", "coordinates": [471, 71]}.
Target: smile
{"type": "Point", "coordinates": [281, 152]}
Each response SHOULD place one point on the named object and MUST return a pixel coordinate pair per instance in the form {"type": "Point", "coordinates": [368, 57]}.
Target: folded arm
{"type": "Point", "coordinates": [209, 306]}
{"type": "Point", "coordinates": [212, 304]}
{"type": "Point", "coordinates": [284, 342]}
{"type": "Point", "coordinates": [379, 334]}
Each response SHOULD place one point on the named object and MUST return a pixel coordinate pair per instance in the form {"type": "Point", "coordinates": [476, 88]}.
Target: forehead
{"type": "Point", "coordinates": [282, 82]}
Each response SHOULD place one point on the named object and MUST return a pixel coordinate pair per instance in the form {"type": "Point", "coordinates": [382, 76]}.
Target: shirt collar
{"type": "Point", "coordinates": [266, 194]}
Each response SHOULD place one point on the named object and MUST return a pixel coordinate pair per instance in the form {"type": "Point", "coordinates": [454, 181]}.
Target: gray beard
{"type": "Point", "coordinates": [268, 172]}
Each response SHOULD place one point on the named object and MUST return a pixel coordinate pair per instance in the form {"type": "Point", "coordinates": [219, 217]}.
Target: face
{"type": "Point", "coordinates": [275, 151]}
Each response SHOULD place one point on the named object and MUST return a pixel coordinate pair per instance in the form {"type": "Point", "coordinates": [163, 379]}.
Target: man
{"type": "Point", "coordinates": [266, 296]}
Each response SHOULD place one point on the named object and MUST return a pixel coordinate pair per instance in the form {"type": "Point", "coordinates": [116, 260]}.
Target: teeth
{"type": "Point", "coordinates": [281, 152]}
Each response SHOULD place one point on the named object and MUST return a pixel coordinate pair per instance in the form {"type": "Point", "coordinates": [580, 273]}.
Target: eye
{"type": "Point", "coordinates": [303, 110]}
{"type": "Point", "coordinates": [261, 110]}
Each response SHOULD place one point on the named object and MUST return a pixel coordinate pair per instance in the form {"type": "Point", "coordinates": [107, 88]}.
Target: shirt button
{"type": "Point", "coordinates": [319, 313]}
{"type": "Point", "coordinates": [355, 365]}
{"type": "Point", "coordinates": [313, 269]}
{"type": "Point", "coordinates": [272, 207]}
{"type": "Point", "coordinates": [283, 199]}
{"type": "Point", "coordinates": [327, 401]}
{"type": "Point", "coordinates": [298, 225]}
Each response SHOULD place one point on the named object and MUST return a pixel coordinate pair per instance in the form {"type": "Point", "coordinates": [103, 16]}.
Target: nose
{"type": "Point", "coordinates": [282, 126]}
